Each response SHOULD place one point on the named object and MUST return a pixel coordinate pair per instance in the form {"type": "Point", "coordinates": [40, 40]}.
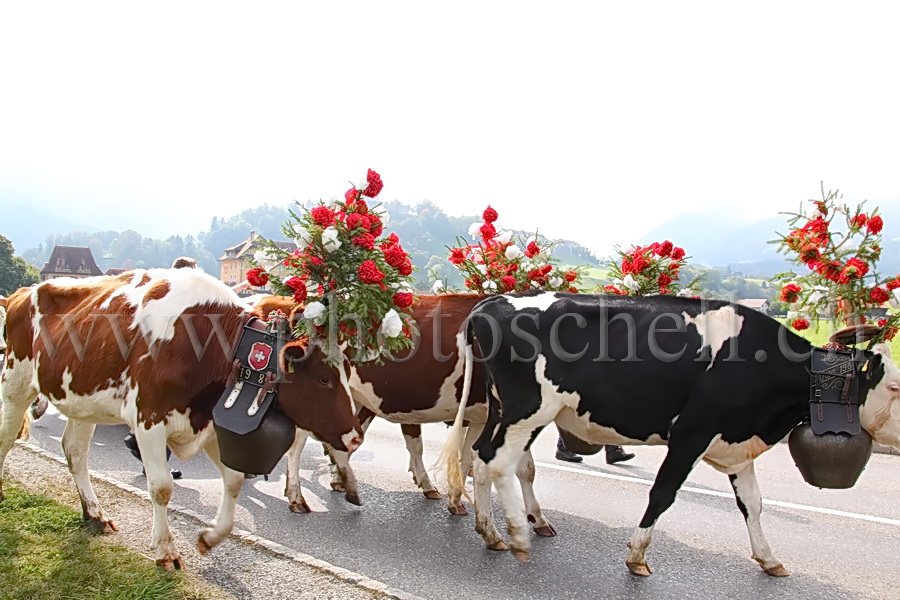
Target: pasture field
{"type": "Point", "coordinates": [46, 552]}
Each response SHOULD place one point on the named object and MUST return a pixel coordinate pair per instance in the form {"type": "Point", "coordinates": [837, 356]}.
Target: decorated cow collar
{"type": "Point", "coordinates": [835, 390]}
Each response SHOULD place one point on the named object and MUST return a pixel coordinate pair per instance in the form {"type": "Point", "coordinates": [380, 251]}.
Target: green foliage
{"type": "Point", "coordinates": [14, 271]}
{"type": "Point", "coordinates": [46, 553]}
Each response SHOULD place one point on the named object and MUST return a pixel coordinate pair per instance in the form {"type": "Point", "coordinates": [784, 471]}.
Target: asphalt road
{"type": "Point", "coordinates": [836, 544]}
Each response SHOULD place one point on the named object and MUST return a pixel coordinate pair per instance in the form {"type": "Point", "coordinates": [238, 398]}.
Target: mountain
{"type": "Point", "coordinates": [719, 239]}
{"type": "Point", "coordinates": [27, 226]}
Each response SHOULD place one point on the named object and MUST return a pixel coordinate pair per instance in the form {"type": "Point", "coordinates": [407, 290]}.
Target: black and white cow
{"type": "Point", "coordinates": [710, 379]}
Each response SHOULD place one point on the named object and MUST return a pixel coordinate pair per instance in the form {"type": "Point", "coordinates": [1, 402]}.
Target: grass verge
{"type": "Point", "coordinates": [46, 553]}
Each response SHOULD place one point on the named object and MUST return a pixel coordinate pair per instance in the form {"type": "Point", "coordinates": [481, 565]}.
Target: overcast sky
{"type": "Point", "coordinates": [592, 120]}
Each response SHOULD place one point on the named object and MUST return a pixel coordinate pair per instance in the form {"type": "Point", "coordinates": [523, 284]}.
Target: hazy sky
{"type": "Point", "coordinates": [592, 120]}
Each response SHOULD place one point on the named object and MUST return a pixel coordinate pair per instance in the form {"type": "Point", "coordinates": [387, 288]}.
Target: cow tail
{"type": "Point", "coordinates": [451, 455]}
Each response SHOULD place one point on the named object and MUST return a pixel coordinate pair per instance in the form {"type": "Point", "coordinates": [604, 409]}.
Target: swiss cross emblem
{"type": "Point", "coordinates": [259, 355]}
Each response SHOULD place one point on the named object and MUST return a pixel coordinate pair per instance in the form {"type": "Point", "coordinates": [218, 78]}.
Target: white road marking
{"type": "Point", "coordinates": [696, 490]}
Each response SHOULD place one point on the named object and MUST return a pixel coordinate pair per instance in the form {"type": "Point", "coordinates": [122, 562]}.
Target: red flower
{"type": "Point", "coordinates": [366, 240]}
{"type": "Point", "coordinates": [665, 249]}
{"type": "Point", "coordinates": [531, 249]}
{"type": "Point", "coordinates": [571, 276]}
{"type": "Point", "coordinates": [458, 255]}
{"type": "Point", "coordinates": [614, 290]}
{"type": "Point", "coordinates": [664, 280]}
{"type": "Point", "coordinates": [403, 299]}
{"type": "Point", "coordinates": [509, 282]}
{"type": "Point", "coordinates": [800, 324]}
{"type": "Point", "coordinates": [859, 221]}
{"type": "Point", "coordinates": [545, 270]}
{"type": "Point", "coordinates": [295, 283]}
{"type": "Point", "coordinates": [790, 293]}
{"type": "Point", "coordinates": [893, 284]}
{"type": "Point", "coordinates": [406, 268]}
{"type": "Point", "coordinates": [300, 294]}
{"type": "Point", "coordinates": [488, 231]}
{"type": "Point", "coordinates": [573, 290]}
{"type": "Point", "coordinates": [375, 184]}
{"type": "Point", "coordinates": [354, 220]}
{"type": "Point", "coordinates": [394, 255]}
{"type": "Point", "coordinates": [889, 333]}
{"type": "Point", "coordinates": [361, 207]}
{"type": "Point", "coordinates": [639, 263]}
{"type": "Point", "coordinates": [322, 215]}
{"type": "Point", "coordinates": [677, 253]}
{"type": "Point", "coordinates": [879, 295]}
{"type": "Point", "coordinates": [375, 225]}
{"type": "Point", "coordinates": [489, 215]}
{"type": "Point", "coordinates": [369, 272]}
{"type": "Point", "coordinates": [316, 261]}
{"type": "Point", "coordinates": [535, 274]}
{"type": "Point", "coordinates": [257, 277]}
{"type": "Point", "coordinates": [817, 225]}
{"type": "Point", "coordinates": [350, 195]}
{"type": "Point", "coordinates": [875, 225]}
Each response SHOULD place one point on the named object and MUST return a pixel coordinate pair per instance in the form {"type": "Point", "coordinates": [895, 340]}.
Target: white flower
{"type": "Point", "coordinates": [477, 255]}
{"type": "Point", "coordinates": [489, 286]}
{"type": "Point", "coordinates": [840, 207]}
{"type": "Point", "coordinates": [404, 289]}
{"type": "Point", "coordinates": [535, 284]}
{"type": "Point", "coordinates": [513, 252]}
{"type": "Point", "coordinates": [895, 298]}
{"type": "Point", "coordinates": [330, 239]}
{"type": "Point", "coordinates": [364, 183]}
{"type": "Point", "coordinates": [264, 257]}
{"type": "Point", "coordinates": [475, 230]}
{"type": "Point", "coordinates": [812, 211]}
{"type": "Point", "coordinates": [503, 237]}
{"type": "Point", "coordinates": [555, 281]}
{"type": "Point", "coordinates": [333, 201]}
{"type": "Point", "coordinates": [437, 287]}
{"type": "Point", "coordinates": [482, 268]}
{"type": "Point", "coordinates": [630, 282]}
{"type": "Point", "coordinates": [314, 310]}
{"type": "Point", "coordinates": [391, 325]}
{"type": "Point", "coordinates": [383, 214]}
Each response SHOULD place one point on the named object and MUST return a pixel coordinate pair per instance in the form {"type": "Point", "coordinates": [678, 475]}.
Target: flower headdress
{"type": "Point", "coordinates": [495, 263]}
{"type": "Point", "coordinates": [647, 270]}
{"type": "Point", "coordinates": [838, 247]}
{"type": "Point", "coordinates": [355, 282]}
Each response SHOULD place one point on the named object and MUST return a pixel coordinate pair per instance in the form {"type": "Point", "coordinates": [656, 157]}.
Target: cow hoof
{"type": "Point", "coordinates": [337, 486]}
{"type": "Point", "coordinates": [459, 511]}
{"type": "Point", "coordinates": [353, 499]}
{"type": "Point", "coordinates": [100, 526]}
{"type": "Point", "coordinates": [301, 508]}
{"type": "Point", "coordinates": [545, 530]}
{"type": "Point", "coordinates": [498, 546]}
{"type": "Point", "coordinates": [432, 494]}
{"type": "Point", "coordinates": [169, 564]}
{"type": "Point", "coordinates": [776, 571]}
{"type": "Point", "coordinates": [640, 569]}
{"type": "Point", "coordinates": [108, 527]}
{"type": "Point", "coordinates": [203, 545]}
{"type": "Point", "coordinates": [523, 556]}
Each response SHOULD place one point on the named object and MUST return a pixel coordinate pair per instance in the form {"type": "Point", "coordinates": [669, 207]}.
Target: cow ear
{"type": "Point", "coordinates": [873, 370]}
{"type": "Point", "coordinates": [293, 353]}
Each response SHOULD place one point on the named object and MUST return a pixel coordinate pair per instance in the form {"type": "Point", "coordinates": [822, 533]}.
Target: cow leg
{"type": "Point", "coordinates": [484, 514]}
{"type": "Point", "coordinates": [749, 501]}
{"type": "Point", "coordinates": [412, 435]}
{"type": "Point", "coordinates": [152, 444]}
{"type": "Point", "coordinates": [455, 505]}
{"type": "Point", "coordinates": [293, 492]}
{"type": "Point", "coordinates": [76, 445]}
{"type": "Point", "coordinates": [683, 453]}
{"type": "Point", "coordinates": [525, 473]}
{"type": "Point", "coordinates": [341, 464]}
{"type": "Point", "coordinates": [231, 487]}
{"type": "Point", "coordinates": [18, 394]}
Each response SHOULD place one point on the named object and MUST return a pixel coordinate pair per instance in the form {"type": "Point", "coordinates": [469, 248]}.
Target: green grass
{"type": "Point", "coordinates": [45, 553]}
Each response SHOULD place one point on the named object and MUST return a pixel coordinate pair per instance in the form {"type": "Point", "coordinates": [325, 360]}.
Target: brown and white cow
{"type": "Point", "coordinates": [419, 386]}
{"type": "Point", "coordinates": [152, 349]}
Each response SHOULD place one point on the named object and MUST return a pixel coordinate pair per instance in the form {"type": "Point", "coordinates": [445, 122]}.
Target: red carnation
{"type": "Point", "coordinates": [488, 231]}
{"type": "Point", "coordinates": [665, 249]}
{"type": "Point", "coordinates": [790, 293]}
{"type": "Point", "coordinates": [509, 282]}
{"type": "Point", "coordinates": [295, 283]}
{"type": "Point", "coordinates": [257, 277]}
{"type": "Point", "coordinates": [375, 225]}
{"type": "Point", "coordinates": [531, 249]}
{"type": "Point", "coordinates": [639, 263]}
{"type": "Point", "coordinates": [893, 284]}
{"type": "Point", "coordinates": [611, 289]}
{"type": "Point", "coordinates": [316, 261]}
{"type": "Point", "coordinates": [664, 279]}
{"type": "Point", "coordinates": [859, 221]}
{"type": "Point", "coordinates": [573, 290]}
{"type": "Point", "coordinates": [375, 184]}
{"type": "Point", "coordinates": [300, 294]}
{"type": "Point", "coordinates": [354, 220]}
{"type": "Point", "coordinates": [406, 267]}
{"type": "Point", "coordinates": [394, 255]}
{"type": "Point", "coordinates": [879, 295]}
{"type": "Point", "coordinates": [677, 253]}
{"type": "Point", "coordinates": [350, 196]}
{"type": "Point", "coordinates": [361, 207]}
{"type": "Point", "coordinates": [800, 324]}
{"type": "Point", "coordinates": [875, 225]}
{"type": "Point", "coordinates": [323, 216]}
{"type": "Point", "coordinates": [457, 255]}
{"type": "Point", "coordinates": [489, 215]}
{"type": "Point", "coordinates": [571, 276]}
{"type": "Point", "coordinates": [369, 272]}
{"type": "Point", "coordinates": [366, 240]}
{"type": "Point", "coordinates": [403, 299]}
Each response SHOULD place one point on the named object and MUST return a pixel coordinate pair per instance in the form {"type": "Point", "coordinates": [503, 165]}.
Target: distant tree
{"type": "Point", "coordinates": [14, 271]}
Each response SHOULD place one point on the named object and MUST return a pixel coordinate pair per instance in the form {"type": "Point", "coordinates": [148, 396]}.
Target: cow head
{"type": "Point", "coordinates": [880, 414]}
{"type": "Point", "coordinates": [316, 397]}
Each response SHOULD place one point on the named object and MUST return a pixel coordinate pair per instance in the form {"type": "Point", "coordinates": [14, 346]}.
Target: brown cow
{"type": "Point", "coordinates": [422, 385]}
{"type": "Point", "coordinates": [152, 349]}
